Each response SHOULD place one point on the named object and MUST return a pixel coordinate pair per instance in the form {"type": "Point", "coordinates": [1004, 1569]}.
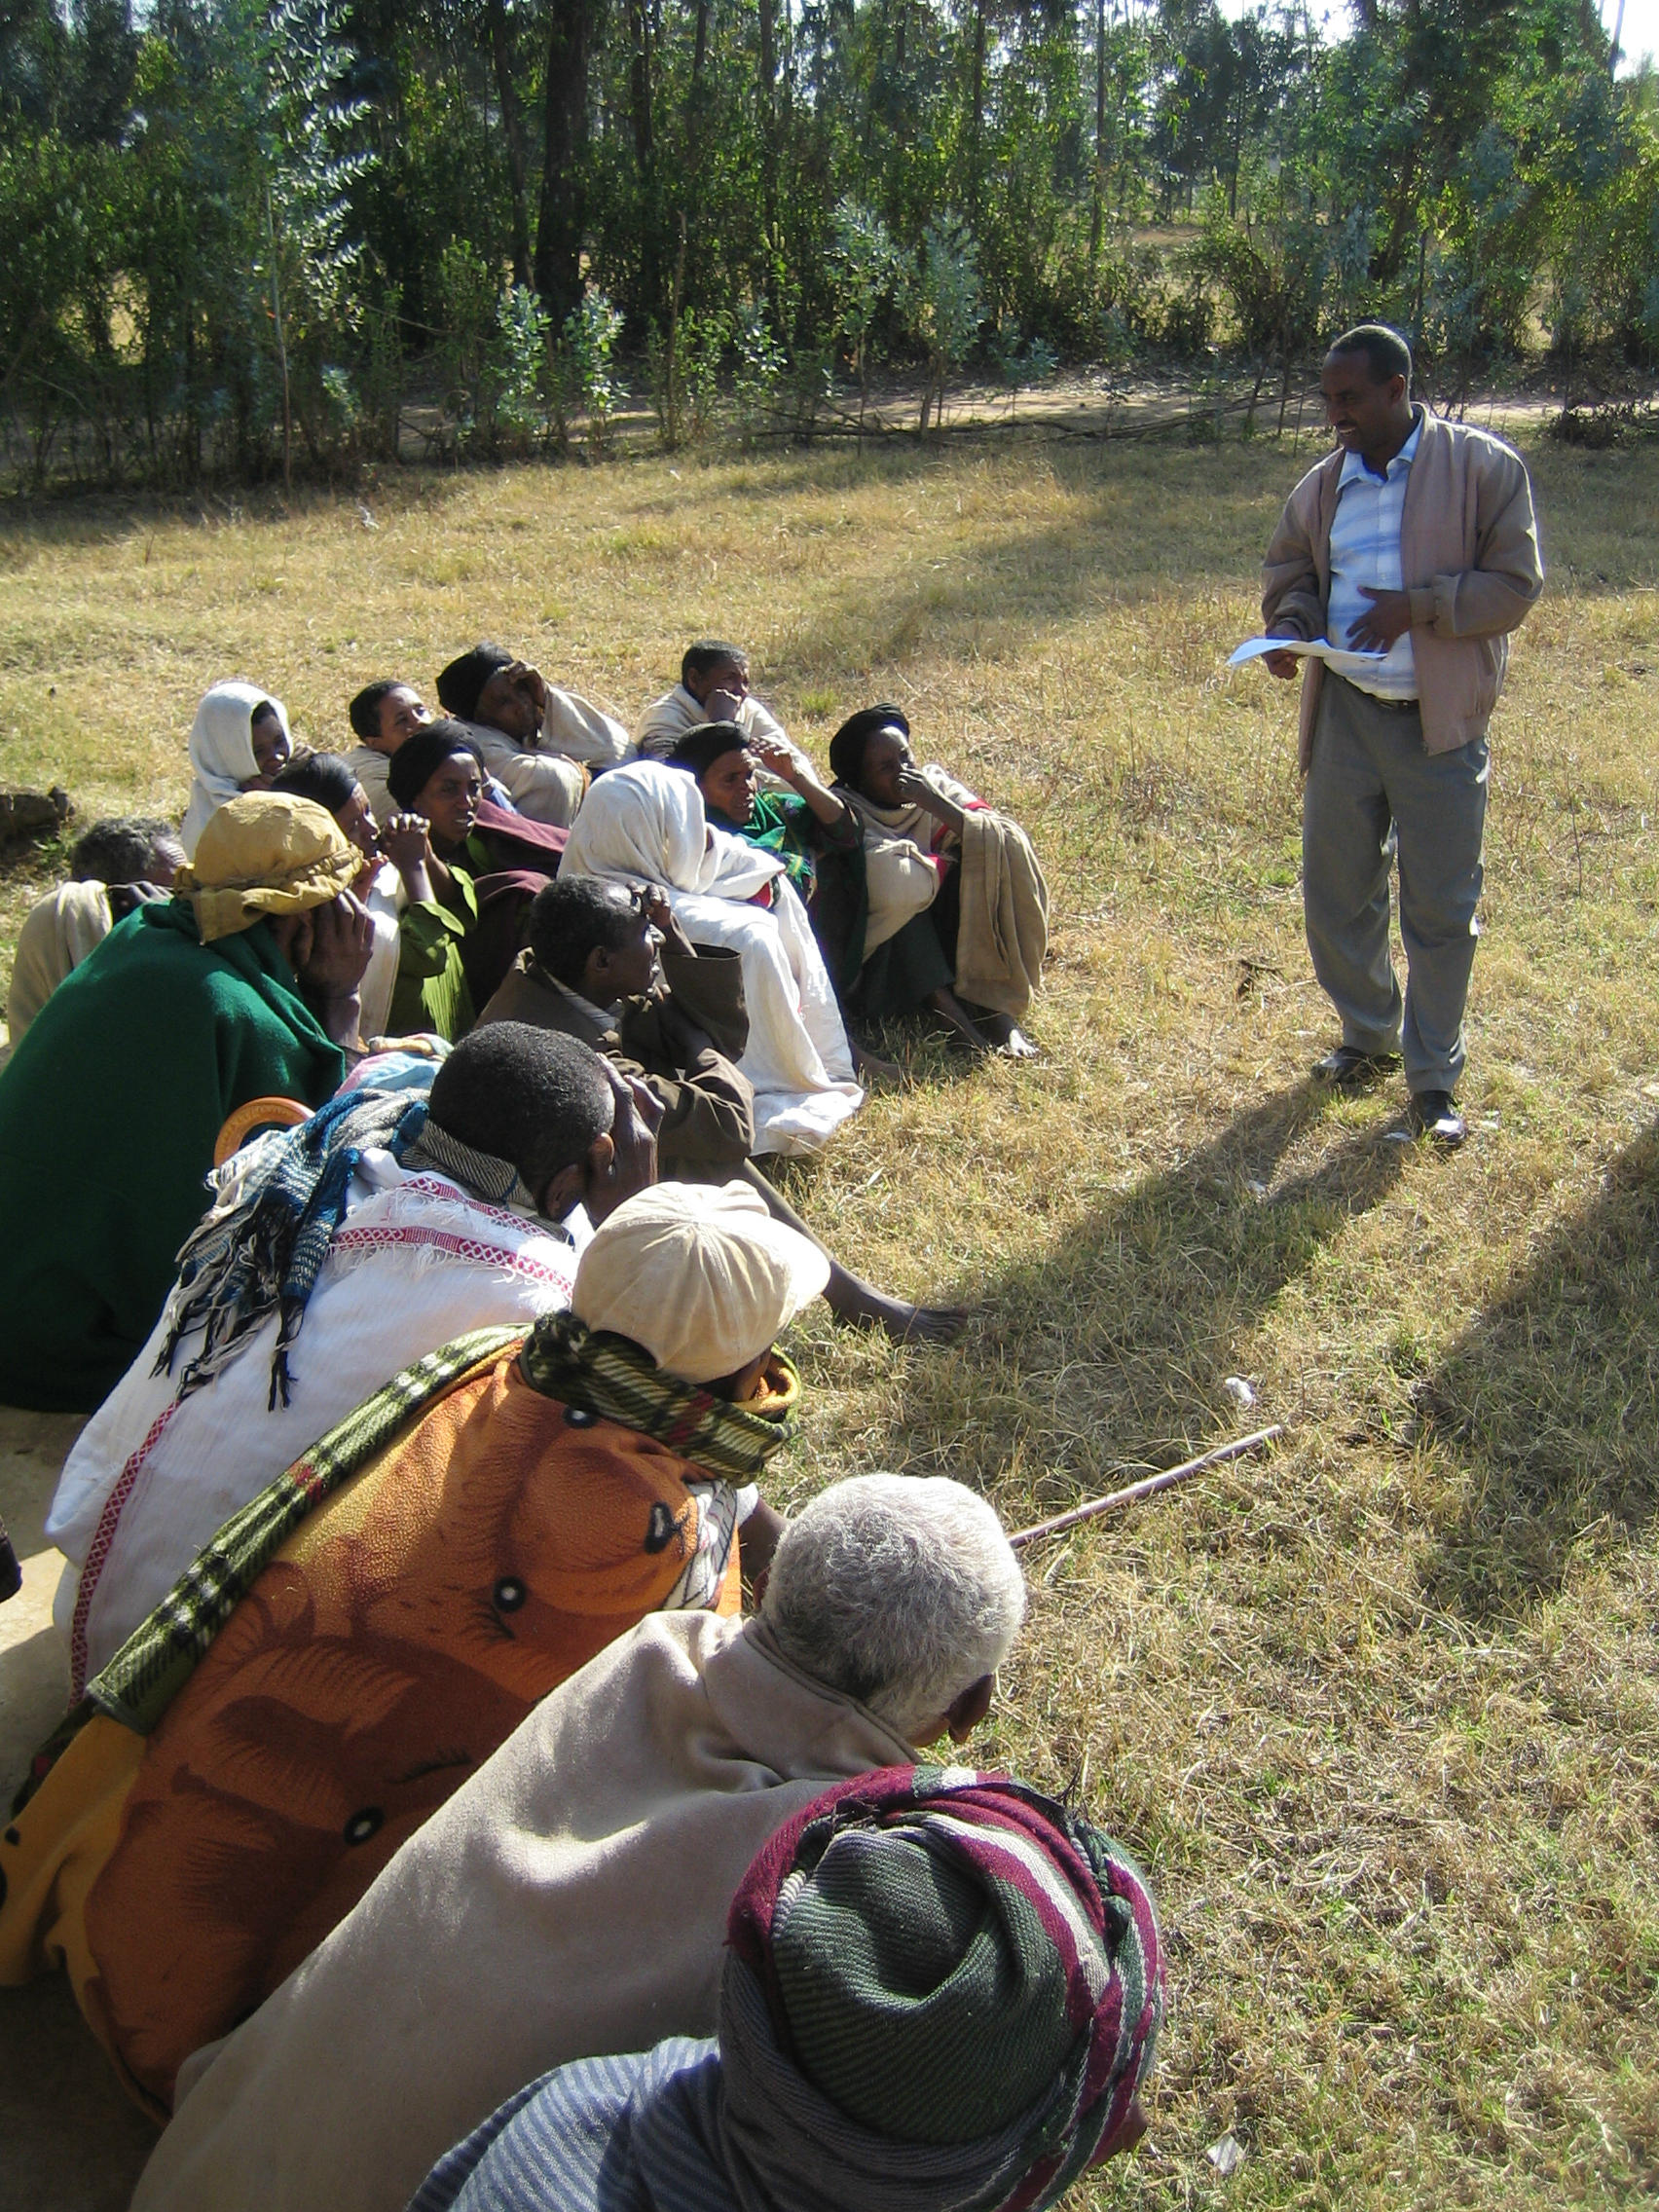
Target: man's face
{"type": "Point", "coordinates": [886, 758]}
{"type": "Point", "coordinates": [270, 748]}
{"type": "Point", "coordinates": [632, 971]}
{"type": "Point", "coordinates": [507, 705]}
{"type": "Point", "coordinates": [402, 712]}
{"type": "Point", "coordinates": [449, 798]}
{"type": "Point", "coordinates": [729, 676]}
{"type": "Point", "coordinates": [729, 785]}
{"type": "Point", "coordinates": [1364, 415]}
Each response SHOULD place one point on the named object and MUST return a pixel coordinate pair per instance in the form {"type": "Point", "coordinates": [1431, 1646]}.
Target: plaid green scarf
{"type": "Point", "coordinates": [161, 1655]}
{"type": "Point", "coordinates": [616, 1380]}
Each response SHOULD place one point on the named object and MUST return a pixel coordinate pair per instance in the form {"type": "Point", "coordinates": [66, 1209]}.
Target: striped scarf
{"type": "Point", "coordinates": [262, 1252]}
{"type": "Point", "coordinates": [613, 1379]}
{"type": "Point", "coordinates": [942, 1990]}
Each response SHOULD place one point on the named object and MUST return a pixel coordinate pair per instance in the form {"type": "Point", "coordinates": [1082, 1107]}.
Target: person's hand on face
{"type": "Point", "coordinates": [270, 750]}
{"type": "Point", "coordinates": [1389, 616]}
{"type": "Point", "coordinates": [913, 789]}
{"type": "Point", "coordinates": [513, 701]}
{"type": "Point", "coordinates": [729, 785]}
{"type": "Point", "coordinates": [403, 840]}
{"type": "Point", "coordinates": [342, 937]}
{"type": "Point", "coordinates": [721, 692]}
{"type": "Point", "coordinates": [449, 800]}
{"type": "Point", "coordinates": [886, 761]}
{"type": "Point", "coordinates": [632, 1165]}
{"type": "Point", "coordinates": [661, 916]}
{"type": "Point", "coordinates": [357, 819]}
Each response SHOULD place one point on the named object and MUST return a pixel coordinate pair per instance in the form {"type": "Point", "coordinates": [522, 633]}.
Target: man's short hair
{"type": "Point", "coordinates": [574, 915]}
{"type": "Point", "coordinates": [323, 776]}
{"type": "Point", "coordinates": [460, 684]}
{"type": "Point", "coordinates": [534, 1097]}
{"type": "Point", "coordinates": [365, 709]}
{"type": "Point", "coordinates": [119, 850]}
{"type": "Point", "coordinates": [419, 759]}
{"type": "Point", "coordinates": [1386, 354]}
{"type": "Point", "coordinates": [900, 1591]}
{"type": "Point", "coordinates": [709, 653]}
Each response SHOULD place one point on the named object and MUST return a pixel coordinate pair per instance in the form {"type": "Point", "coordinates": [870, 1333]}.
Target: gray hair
{"type": "Point", "coordinates": [898, 1591]}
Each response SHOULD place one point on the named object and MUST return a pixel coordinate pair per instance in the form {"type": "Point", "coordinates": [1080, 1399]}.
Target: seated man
{"type": "Point", "coordinates": [713, 687]}
{"type": "Point", "coordinates": [570, 1900]}
{"type": "Point", "coordinates": [117, 866]}
{"type": "Point", "coordinates": [383, 1616]}
{"type": "Point", "coordinates": [593, 970]}
{"type": "Point", "coordinates": [469, 882]}
{"type": "Point", "coordinates": [382, 714]}
{"type": "Point", "coordinates": [383, 1227]}
{"type": "Point", "coordinates": [920, 1957]}
{"type": "Point", "coordinates": [243, 985]}
{"type": "Point", "coordinates": [538, 740]}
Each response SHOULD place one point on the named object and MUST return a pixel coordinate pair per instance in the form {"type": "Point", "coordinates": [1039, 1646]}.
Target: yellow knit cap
{"type": "Point", "coordinates": [265, 852]}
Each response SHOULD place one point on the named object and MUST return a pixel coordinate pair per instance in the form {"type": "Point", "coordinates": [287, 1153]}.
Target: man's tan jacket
{"type": "Point", "coordinates": [1469, 557]}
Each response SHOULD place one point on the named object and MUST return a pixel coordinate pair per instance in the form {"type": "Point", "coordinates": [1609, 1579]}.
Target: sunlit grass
{"type": "Point", "coordinates": [1380, 1714]}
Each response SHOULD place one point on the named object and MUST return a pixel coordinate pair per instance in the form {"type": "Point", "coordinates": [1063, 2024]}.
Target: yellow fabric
{"type": "Point", "coordinates": [58, 933]}
{"type": "Point", "coordinates": [699, 1273]}
{"type": "Point", "coordinates": [1003, 930]}
{"type": "Point", "coordinates": [265, 852]}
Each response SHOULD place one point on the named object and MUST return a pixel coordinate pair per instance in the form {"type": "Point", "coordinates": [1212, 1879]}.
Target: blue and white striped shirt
{"type": "Point", "coordinates": [1365, 549]}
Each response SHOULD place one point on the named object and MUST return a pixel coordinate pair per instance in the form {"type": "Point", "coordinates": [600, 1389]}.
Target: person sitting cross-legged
{"type": "Point", "coordinates": [956, 908]}
{"type": "Point", "coordinates": [242, 985]}
{"type": "Point", "coordinates": [614, 968]}
{"type": "Point", "coordinates": [118, 864]}
{"type": "Point", "coordinates": [335, 1254]}
{"type": "Point", "coordinates": [571, 1898]}
{"type": "Point", "coordinates": [362, 1637]}
{"type": "Point", "coordinates": [940, 1988]}
{"type": "Point", "coordinates": [538, 740]}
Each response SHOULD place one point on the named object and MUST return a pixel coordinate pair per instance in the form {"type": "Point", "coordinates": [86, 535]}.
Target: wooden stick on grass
{"type": "Point", "coordinates": [1150, 1487]}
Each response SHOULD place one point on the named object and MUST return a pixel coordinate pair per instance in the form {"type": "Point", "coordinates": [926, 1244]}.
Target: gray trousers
{"type": "Point", "coordinates": [1373, 796]}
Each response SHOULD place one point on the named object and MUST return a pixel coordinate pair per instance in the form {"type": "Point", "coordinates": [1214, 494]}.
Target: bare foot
{"type": "Point", "coordinates": [853, 1299]}
{"type": "Point", "coordinates": [873, 1069]}
{"type": "Point", "coordinates": [1005, 1038]}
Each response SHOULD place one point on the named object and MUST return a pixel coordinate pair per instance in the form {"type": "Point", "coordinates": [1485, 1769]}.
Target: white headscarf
{"type": "Point", "coordinates": [644, 823]}
{"type": "Point", "coordinates": [221, 750]}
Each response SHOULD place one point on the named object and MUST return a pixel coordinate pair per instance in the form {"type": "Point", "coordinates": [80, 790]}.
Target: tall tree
{"type": "Point", "coordinates": [565, 134]}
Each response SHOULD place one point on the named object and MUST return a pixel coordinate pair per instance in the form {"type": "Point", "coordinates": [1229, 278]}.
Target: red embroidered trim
{"type": "Point", "coordinates": [98, 1553]}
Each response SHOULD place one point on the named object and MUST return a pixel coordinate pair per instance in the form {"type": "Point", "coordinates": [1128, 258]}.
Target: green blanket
{"type": "Point", "coordinates": [109, 1111]}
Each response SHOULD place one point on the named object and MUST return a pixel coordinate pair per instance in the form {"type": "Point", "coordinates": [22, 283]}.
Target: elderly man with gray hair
{"type": "Point", "coordinates": [571, 1900]}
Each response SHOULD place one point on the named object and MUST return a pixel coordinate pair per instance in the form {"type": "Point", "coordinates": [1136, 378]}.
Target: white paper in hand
{"type": "Point", "coordinates": [1338, 657]}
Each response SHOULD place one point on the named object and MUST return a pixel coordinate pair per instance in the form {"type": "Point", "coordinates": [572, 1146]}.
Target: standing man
{"type": "Point", "coordinates": [1415, 541]}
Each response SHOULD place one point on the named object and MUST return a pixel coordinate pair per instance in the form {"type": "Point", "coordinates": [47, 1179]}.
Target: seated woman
{"type": "Point", "coordinates": [469, 882]}
{"type": "Point", "coordinates": [374, 1626]}
{"type": "Point", "coordinates": [383, 1227]}
{"type": "Point", "coordinates": [327, 780]}
{"type": "Point", "coordinates": [954, 896]}
{"type": "Point", "coordinates": [644, 824]}
{"type": "Point", "coordinates": [239, 742]}
{"type": "Point", "coordinates": [241, 986]}
{"type": "Point", "coordinates": [538, 740]}
{"type": "Point", "coordinates": [118, 864]}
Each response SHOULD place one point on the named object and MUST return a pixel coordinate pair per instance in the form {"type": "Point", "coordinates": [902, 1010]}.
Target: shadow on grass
{"type": "Point", "coordinates": [1549, 1402]}
{"type": "Point", "coordinates": [1107, 1351]}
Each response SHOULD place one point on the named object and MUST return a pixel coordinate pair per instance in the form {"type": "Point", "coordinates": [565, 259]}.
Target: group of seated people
{"type": "Point", "coordinates": [475, 1791]}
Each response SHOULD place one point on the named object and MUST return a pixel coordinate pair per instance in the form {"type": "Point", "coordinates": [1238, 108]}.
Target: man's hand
{"type": "Point", "coordinates": [662, 918]}
{"type": "Point", "coordinates": [1389, 617]}
{"type": "Point", "coordinates": [722, 705]}
{"type": "Point", "coordinates": [1280, 664]}
{"type": "Point", "coordinates": [342, 936]}
{"type": "Point", "coordinates": [633, 1164]}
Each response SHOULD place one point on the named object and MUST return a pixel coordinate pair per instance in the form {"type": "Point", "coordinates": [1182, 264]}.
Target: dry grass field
{"type": "Point", "coordinates": [1378, 1712]}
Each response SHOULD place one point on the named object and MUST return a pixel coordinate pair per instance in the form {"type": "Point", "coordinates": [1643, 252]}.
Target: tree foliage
{"type": "Point", "coordinates": [237, 232]}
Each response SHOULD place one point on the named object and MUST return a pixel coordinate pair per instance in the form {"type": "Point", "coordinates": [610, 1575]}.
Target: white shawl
{"type": "Point", "coordinates": [221, 752]}
{"type": "Point", "coordinates": [644, 823]}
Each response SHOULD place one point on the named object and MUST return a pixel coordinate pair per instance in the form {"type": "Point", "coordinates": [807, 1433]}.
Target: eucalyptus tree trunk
{"type": "Point", "coordinates": [559, 233]}
{"type": "Point", "coordinates": [512, 130]}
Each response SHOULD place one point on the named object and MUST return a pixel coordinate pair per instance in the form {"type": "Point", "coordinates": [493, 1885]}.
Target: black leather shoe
{"type": "Point", "coordinates": [1347, 1068]}
{"type": "Point", "coordinates": [1433, 1113]}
